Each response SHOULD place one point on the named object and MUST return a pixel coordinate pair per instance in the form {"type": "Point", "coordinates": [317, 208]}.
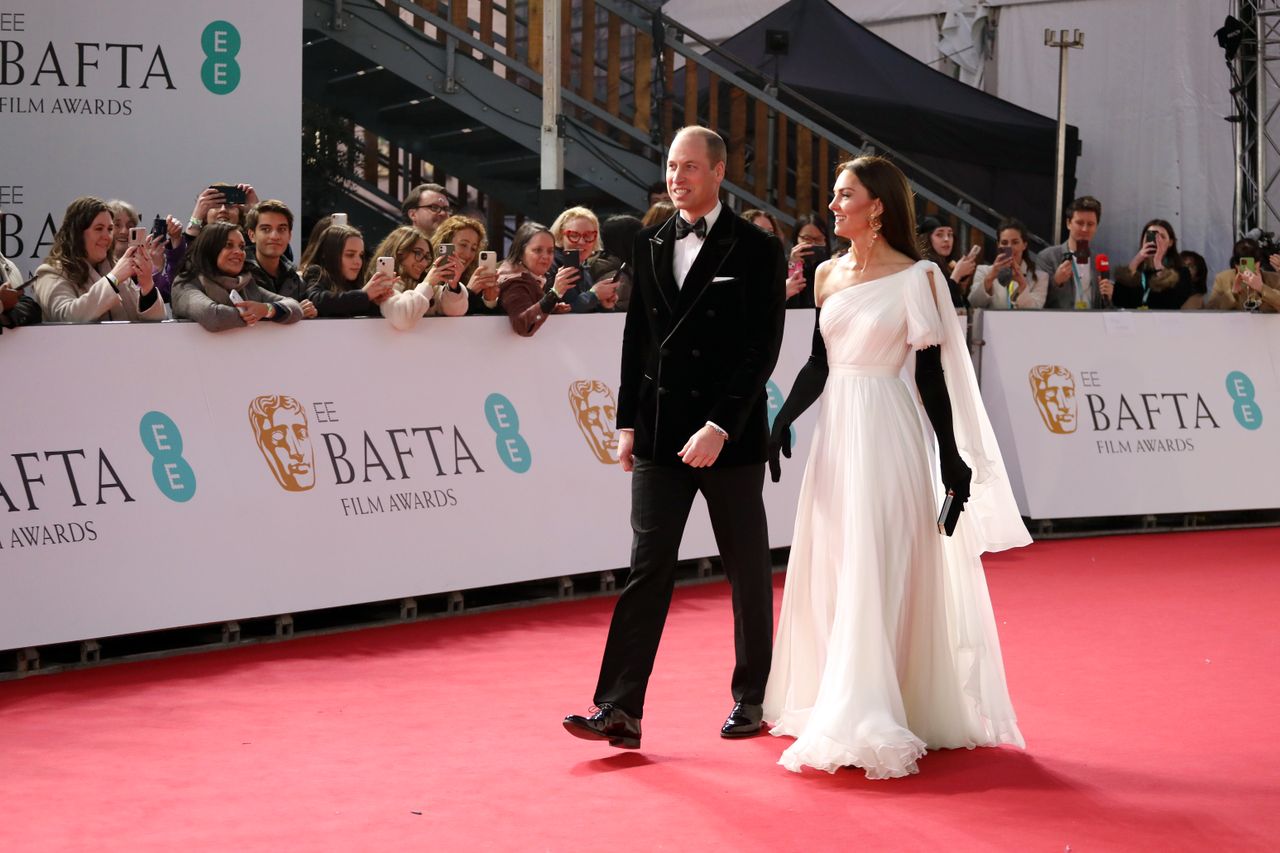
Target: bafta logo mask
{"type": "Point", "coordinates": [594, 407]}
{"type": "Point", "coordinates": [280, 427]}
{"type": "Point", "coordinates": [1054, 389]}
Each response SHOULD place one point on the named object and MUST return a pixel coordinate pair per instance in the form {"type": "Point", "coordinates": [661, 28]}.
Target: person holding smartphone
{"type": "Point", "coordinates": [577, 235]}
{"type": "Point", "coordinates": [1154, 279]}
{"type": "Point", "coordinates": [1011, 280]}
{"type": "Point", "coordinates": [938, 244]}
{"type": "Point", "coordinates": [333, 271]}
{"type": "Point", "coordinates": [523, 277]}
{"type": "Point", "coordinates": [812, 248]}
{"type": "Point", "coordinates": [80, 283]}
{"type": "Point", "coordinates": [469, 240]}
{"type": "Point", "coordinates": [1245, 286]}
{"type": "Point", "coordinates": [422, 288]}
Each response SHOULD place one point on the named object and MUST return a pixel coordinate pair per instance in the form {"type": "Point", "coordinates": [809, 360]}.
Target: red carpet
{"type": "Point", "coordinates": [1143, 670]}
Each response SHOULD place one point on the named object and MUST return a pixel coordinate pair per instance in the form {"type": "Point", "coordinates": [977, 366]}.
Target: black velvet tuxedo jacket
{"type": "Point", "coordinates": [702, 352]}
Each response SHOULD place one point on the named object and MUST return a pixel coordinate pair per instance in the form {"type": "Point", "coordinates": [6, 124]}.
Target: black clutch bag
{"type": "Point", "coordinates": [950, 515]}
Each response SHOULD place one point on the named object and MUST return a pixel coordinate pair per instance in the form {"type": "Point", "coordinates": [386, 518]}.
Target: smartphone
{"type": "Point", "coordinates": [236, 297]}
{"type": "Point", "coordinates": [1082, 252]}
{"type": "Point", "coordinates": [1005, 252]}
{"type": "Point", "coordinates": [338, 219]}
{"type": "Point", "coordinates": [387, 265]}
{"type": "Point", "coordinates": [572, 258]}
{"type": "Point", "coordinates": [137, 236]}
{"type": "Point", "coordinates": [159, 228]}
{"type": "Point", "coordinates": [233, 195]}
{"type": "Point", "coordinates": [1150, 236]}
{"type": "Point", "coordinates": [974, 250]}
{"type": "Point", "coordinates": [445, 250]}
{"type": "Point", "coordinates": [489, 261]}
{"type": "Point", "coordinates": [1250, 264]}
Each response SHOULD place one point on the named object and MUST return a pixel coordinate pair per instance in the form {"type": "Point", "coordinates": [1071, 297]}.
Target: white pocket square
{"type": "Point", "coordinates": [721, 278]}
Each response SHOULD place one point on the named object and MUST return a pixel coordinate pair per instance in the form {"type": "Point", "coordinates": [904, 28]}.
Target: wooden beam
{"type": "Point", "coordinates": [737, 134]}
{"type": "Point", "coordinates": [669, 105]}
{"type": "Point", "coordinates": [713, 101]}
{"type": "Point", "coordinates": [690, 94]}
{"type": "Point", "coordinates": [760, 164]}
{"type": "Point", "coordinates": [804, 169]}
{"type": "Point", "coordinates": [644, 81]}
{"type": "Point", "coordinates": [613, 47]}
{"type": "Point", "coordinates": [780, 181]}
{"type": "Point", "coordinates": [534, 34]}
{"type": "Point", "coordinates": [588, 87]}
{"type": "Point", "coordinates": [823, 175]}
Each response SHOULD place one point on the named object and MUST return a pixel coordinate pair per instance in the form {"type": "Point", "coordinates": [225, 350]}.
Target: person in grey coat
{"type": "Point", "coordinates": [215, 288]}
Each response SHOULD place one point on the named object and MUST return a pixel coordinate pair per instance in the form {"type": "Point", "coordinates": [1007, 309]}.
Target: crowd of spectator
{"type": "Point", "coordinates": [230, 265]}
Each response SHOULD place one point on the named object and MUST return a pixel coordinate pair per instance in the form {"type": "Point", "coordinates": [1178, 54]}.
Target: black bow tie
{"type": "Point", "coordinates": [684, 229]}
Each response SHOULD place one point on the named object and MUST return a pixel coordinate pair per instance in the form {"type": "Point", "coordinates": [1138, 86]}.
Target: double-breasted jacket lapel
{"type": "Point", "coordinates": [711, 257]}
{"type": "Point", "coordinates": [662, 250]}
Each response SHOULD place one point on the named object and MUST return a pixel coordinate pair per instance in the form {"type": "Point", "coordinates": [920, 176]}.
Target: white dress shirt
{"type": "Point", "coordinates": [687, 249]}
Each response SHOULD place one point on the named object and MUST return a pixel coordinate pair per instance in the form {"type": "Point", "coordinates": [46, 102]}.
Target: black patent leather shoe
{"type": "Point", "coordinates": [609, 722]}
{"type": "Point", "coordinates": [743, 721]}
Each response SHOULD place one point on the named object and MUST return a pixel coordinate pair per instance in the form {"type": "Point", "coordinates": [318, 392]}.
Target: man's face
{"type": "Point", "coordinates": [1082, 225]}
{"type": "Point", "coordinates": [432, 209]}
{"type": "Point", "coordinates": [693, 181]}
{"type": "Point", "coordinates": [271, 236]}
{"type": "Point", "coordinates": [286, 442]}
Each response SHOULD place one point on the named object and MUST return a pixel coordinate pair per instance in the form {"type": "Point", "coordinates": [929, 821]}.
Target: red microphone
{"type": "Point", "coordinates": [1102, 264]}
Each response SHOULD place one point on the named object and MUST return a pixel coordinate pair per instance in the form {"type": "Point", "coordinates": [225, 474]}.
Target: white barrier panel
{"type": "Point", "coordinates": [1124, 413]}
{"type": "Point", "coordinates": [144, 101]}
{"type": "Point", "coordinates": [159, 475]}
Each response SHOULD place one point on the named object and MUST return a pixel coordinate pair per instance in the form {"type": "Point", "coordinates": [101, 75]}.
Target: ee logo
{"type": "Point", "coordinates": [220, 72]}
{"type": "Point", "coordinates": [1247, 413]}
{"type": "Point", "coordinates": [163, 440]}
{"type": "Point", "coordinates": [513, 450]}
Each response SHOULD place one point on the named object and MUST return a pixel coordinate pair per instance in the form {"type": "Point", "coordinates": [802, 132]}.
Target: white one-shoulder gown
{"type": "Point", "coordinates": [887, 644]}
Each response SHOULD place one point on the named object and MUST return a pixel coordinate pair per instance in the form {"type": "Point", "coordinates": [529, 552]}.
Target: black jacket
{"type": "Point", "coordinates": [25, 313]}
{"type": "Point", "coordinates": [702, 352]}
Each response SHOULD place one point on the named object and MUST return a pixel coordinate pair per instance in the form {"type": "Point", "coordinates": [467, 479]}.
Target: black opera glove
{"type": "Point", "coordinates": [956, 475]}
{"type": "Point", "coordinates": [807, 388]}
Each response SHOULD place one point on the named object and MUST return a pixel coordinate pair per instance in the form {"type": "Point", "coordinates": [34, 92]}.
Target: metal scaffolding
{"type": "Point", "coordinates": [1256, 121]}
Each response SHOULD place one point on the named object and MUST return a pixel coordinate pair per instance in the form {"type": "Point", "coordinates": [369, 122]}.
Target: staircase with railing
{"type": "Point", "coordinates": [437, 89]}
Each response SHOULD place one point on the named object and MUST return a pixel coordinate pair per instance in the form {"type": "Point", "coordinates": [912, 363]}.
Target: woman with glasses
{"type": "Point", "coordinates": [332, 271]}
{"type": "Point", "coordinates": [577, 235]}
{"type": "Point", "coordinates": [468, 238]}
{"type": "Point", "coordinates": [420, 288]}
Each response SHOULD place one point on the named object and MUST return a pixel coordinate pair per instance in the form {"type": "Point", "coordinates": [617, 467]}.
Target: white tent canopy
{"type": "Point", "coordinates": [1148, 92]}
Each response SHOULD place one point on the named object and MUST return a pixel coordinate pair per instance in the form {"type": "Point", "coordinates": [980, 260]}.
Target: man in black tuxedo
{"type": "Point", "coordinates": [702, 335]}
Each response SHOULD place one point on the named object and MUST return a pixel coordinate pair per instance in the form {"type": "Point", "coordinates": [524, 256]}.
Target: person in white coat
{"type": "Point", "coordinates": [1012, 280]}
{"type": "Point", "coordinates": [79, 283]}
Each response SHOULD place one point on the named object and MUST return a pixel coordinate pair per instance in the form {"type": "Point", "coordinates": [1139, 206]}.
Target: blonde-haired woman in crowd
{"type": "Point", "coordinates": [79, 282]}
{"type": "Point", "coordinates": [421, 288]}
{"type": "Point", "coordinates": [577, 235]}
{"type": "Point", "coordinates": [468, 238]}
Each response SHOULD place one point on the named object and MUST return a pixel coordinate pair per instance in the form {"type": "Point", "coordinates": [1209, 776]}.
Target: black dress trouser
{"type": "Point", "coordinates": [661, 498]}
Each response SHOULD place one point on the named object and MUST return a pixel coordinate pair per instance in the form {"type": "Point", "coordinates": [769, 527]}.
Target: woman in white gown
{"type": "Point", "coordinates": [887, 645]}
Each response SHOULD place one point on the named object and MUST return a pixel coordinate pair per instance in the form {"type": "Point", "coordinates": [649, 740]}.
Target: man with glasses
{"type": "Point", "coordinates": [426, 207]}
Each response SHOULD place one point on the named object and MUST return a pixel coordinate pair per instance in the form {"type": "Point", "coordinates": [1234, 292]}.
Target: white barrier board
{"type": "Point", "coordinates": [1125, 413]}
{"type": "Point", "coordinates": [144, 102]}
{"type": "Point", "coordinates": [158, 475]}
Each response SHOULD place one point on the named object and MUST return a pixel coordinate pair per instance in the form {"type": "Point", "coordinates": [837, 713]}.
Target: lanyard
{"type": "Point", "coordinates": [1075, 275]}
{"type": "Point", "coordinates": [1146, 289]}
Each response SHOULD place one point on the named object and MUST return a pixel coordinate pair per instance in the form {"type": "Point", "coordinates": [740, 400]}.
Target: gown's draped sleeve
{"type": "Point", "coordinates": [990, 521]}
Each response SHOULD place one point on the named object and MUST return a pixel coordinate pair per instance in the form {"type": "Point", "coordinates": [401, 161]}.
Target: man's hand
{"type": "Point", "coordinates": [1063, 272]}
{"type": "Point", "coordinates": [1106, 288]}
{"type": "Point", "coordinates": [626, 448]}
{"type": "Point", "coordinates": [702, 449]}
